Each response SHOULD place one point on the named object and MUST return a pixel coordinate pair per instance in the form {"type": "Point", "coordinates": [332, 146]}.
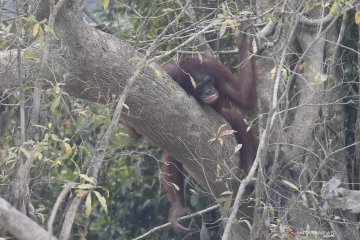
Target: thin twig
{"type": "Point", "coordinates": [166, 225]}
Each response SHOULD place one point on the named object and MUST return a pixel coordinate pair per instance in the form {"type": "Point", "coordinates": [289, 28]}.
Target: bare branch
{"type": "Point", "coordinates": [19, 225]}
{"type": "Point", "coordinates": [166, 225]}
{"type": "Point", "coordinates": [328, 18]}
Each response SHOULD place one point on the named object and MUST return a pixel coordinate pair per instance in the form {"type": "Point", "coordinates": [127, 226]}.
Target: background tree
{"type": "Point", "coordinates": [307, 62]}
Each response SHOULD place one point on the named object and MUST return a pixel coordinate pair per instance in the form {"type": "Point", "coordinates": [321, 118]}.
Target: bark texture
{"type": "Point", "coordinates": [95, 66]}
{"type": "Point", "coordinates": [19, 225]}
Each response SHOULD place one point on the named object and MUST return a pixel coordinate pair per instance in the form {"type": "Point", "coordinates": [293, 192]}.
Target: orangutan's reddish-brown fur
{"type": "Point", "coordinates": [216, 86]}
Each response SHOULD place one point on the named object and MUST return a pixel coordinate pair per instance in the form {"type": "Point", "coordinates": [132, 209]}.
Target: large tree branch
{"type": "Point", "coordinates": [19, 225]}
{"type": "Point", "coordinates": [95, 66]}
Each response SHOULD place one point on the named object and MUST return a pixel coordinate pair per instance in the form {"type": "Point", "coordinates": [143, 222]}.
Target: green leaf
{"type": "Point", "coordinates": [273, 72]}
{"type": "Point", "coordinates": [290, 184]}
{"type": "Point", "coordinates": [88, 205]}
{"type": "Point", "coordinates": [177, 20]}
{"type": "Point", "coordinates": [167, 10]}
{"type": "Point", "coordinates": [28, 54]}
{"type": "Point", "coordinates": [224, 10]}
{"type": "Point", "coordinates": [55, 104]}
{"type": "Point", "coordinates": [56, 163]}
{"type": "Point", "coordinates": [85, 186]}
{"type": "Point", "coordinates": [284, 73]}
{"type": "Point", "coordinates": [193, 83]}
{"type": "Point", "coordinates": [194, 191]}
{"type": "Point", "coordinates": [320, 78]}
{"type": "Point", "coordinates": [227, 204]}
{"type": "Point", "coordinates": [39, 156]}
{"type": "Point", "coordinates": [226, 193]}
{"type": "Point", "coordinates": [334, 8]}
{"type": "Point", "coordinates": [312, 192]}
{"type": "Point", "coordinates": [223, 29]}
{"type": "Point", "coordinates": [35, 30]}
{"type": "Point", "coordinates": [41, 38]}
{"type": "Point", "coordinates": [81, 193]}
{"type": "Point", "coordinates": [219, 129]}
{"type": "Point", "coordinates": [50, 30]}
{"type": "Point", "coordinates": [68, 150]}
{"type": "Point", "coordinates": [40, 126]}
{"type": "Point", "coordinates": [175, 186]}
{"type": "Point", "coordinates": [247, 223]}
{"type": "Point", "coordinates": [221, 141]}
{"type": "Point", "coordinates": [226, 133]}
{"type": "Point", "coordinates": [55, 138]}
{"type": "Point", "coordinates": [158, 73]}
{"type": "Point", "coordinates": [237, 148]}
{"type": "Point", "coordinates": [212, 140]}
{"type": "Point", "coordinates": [105, 4]}
{"type": "Point", "coordinates": [88, 179]}
{"type": "Point", "coordinates": [102, 201]}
